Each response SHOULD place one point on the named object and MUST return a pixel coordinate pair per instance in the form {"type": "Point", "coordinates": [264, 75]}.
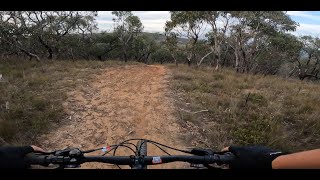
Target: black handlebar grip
{"type": "Point", "coordinates": [227, 158]}
{"type": "Point", "coordinates": [33, 159]}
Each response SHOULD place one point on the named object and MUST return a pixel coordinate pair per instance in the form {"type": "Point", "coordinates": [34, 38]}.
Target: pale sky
{"type": "Point", "coordinates": [154, 21]}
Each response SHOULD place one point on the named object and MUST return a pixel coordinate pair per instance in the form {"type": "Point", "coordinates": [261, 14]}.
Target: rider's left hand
{"type": "Point", "coordinates": [13, 156]}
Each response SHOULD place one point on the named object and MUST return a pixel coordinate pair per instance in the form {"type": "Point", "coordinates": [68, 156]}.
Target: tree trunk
{"type": "Point", "coordinates": [291, 72]}
{"type": "Point", "coordinates": [225, 57]}
{"type": "Point", "coordinates": [50, 53]}
{"type": "Point", "coordinates": [31, 55]}
{"type": "Point", "coordinates": [218, 57]}
{"type": "Point", "coordinates": [189, 60]}
{"type": "Point", "coordinates": [217, 66]}
{"type": "Point", "coordinates": [218, 62]}
{"type": "Point", "coordinates": [237, 62]}
{"type": "Point", "coordinates": [175, 60]}
{"type": "Point", "coordinates": [49, 49]}
{"type": "Point", "coordinates": [125, 56]}
{"type": "Point", "coordinates": [204, 57]}
{"type": "Point", "coordinates": [148, 55]}
{"type": "Point", "coordinates": [72, 55]}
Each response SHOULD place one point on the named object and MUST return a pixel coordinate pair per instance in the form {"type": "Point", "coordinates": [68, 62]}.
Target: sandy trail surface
{"type": "Point", "coordinates": [121, 103]}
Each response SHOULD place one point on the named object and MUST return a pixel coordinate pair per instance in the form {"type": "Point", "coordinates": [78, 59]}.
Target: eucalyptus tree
{"type": "Point", "coordinates": [127, 27]}
{"type": "Point", "coordinates": [186, 24]}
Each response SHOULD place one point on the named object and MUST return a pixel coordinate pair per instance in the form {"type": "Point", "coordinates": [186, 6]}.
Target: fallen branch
{"type": "Point", "coordinates": [7, 106]}
{"type": "Point", "coordinates": [205, 110]}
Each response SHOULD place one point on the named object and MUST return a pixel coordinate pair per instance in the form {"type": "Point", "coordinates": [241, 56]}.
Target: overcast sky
{"type": "Point", "coordinates": [153, 21]}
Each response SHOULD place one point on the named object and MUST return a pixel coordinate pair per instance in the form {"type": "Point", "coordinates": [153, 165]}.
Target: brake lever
{"type": "Point", "coordinates": [202, 152]}
{"type": "Point", "coordinates": [73, 153]}
{"type": "Point", "coordinates": [68, 151]}
{"type": "Point", "coordinates": [44, 153]}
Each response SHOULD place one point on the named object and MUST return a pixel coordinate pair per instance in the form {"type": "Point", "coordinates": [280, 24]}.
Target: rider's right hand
{"type": "Point", "coordinates": [252, 156]}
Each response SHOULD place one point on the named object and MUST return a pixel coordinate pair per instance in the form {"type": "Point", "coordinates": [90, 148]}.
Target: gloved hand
{"type": "Point", "coordinates": [13, 157]}
{"type": "Point", "coordinates": [253, 157]}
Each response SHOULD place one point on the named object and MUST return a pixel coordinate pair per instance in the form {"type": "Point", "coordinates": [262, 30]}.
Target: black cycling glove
{"type": "Point", "coordinates": [253, 157]}
{"type": "Point", "coordinates": [13, 157]}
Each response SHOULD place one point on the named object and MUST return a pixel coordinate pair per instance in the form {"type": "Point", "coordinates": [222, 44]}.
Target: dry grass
{"type": "Point", "coordinates": [35, 91]}
{"type": "Point", "coordinates": [248, 109]}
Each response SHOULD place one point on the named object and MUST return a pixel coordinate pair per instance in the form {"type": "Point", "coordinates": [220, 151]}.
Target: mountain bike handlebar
{"type": "Point", "coordinates": [130, 160]}
{"type": "Point", "coordinates": [74, 157]}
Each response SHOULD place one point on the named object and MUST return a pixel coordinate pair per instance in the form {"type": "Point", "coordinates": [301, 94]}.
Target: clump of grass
{"type": "Point", "coordinates": [255, 130]}
{"type": "Point", "coordinates": [186, 116]}
{"type": "Point", "coordinates": [34, 93]}
{"type": "Point", "coordinates": [250, 109]}
{"type": "Point", "coordinates": [218, 76]}
{"type": "Point", "coordinates": [257, 99]}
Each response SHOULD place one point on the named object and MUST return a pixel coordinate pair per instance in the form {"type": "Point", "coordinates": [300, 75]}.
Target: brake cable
{"type": "Point", "coordinates": [153, 142]}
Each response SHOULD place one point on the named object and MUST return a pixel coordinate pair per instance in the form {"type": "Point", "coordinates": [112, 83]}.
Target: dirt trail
{"type": "Point", "coordinates": [122, 103]}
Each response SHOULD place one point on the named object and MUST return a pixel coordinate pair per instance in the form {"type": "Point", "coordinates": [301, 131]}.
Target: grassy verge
{"type": "Point", "coordinates": [32, 93]}
{"type": "Point", "coordinates": [229, 108]}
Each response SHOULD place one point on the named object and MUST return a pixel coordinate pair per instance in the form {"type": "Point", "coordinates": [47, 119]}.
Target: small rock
{"type": "Point", "coordinates": [65, 104]}
{"type": "Point", "coordinates": [88, 106]}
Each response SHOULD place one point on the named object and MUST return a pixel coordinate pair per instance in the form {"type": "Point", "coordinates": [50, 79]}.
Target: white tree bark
{"type": "Point", "coordinates": [199, 63]}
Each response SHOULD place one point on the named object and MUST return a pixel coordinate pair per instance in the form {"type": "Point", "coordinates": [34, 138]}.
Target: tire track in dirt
{"type": "Point", "coordinates": [123, 102]}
